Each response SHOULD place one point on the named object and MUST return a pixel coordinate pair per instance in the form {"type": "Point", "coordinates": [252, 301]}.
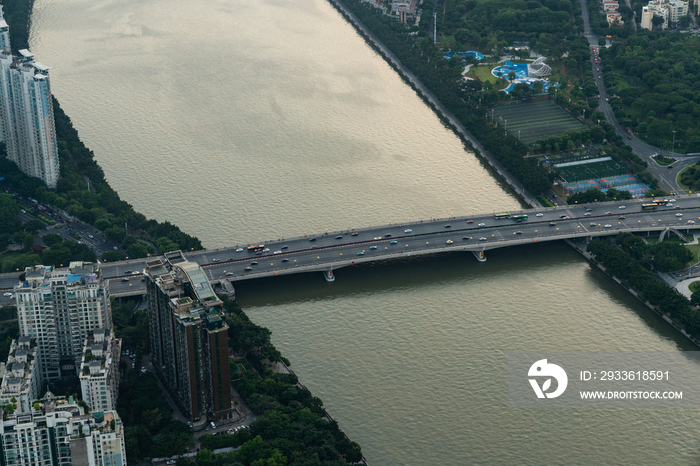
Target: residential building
{"type": "Point", "coordinates": [647, 16]}
{"type": "Point", "coordinates": [610, 5]}
{"type": "Point", "coordinates": [27, 125]}
{"type": "Point", "coordinates": [59, 308]}
{"type": "Point", "coordinates": [670, 10]}
{"type": "Point", "coordinates": [99, 370]}
{"type": "Point", "coordinates": [62, 436]}
{"type": "Point", "coordinates": [614, 17]}
{"type": "Point", "coordinates": [189, 337]}
{"type": "Point", "coordinates": [21, 381]}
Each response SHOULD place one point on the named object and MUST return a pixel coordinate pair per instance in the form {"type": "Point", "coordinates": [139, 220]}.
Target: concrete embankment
{"type": "Point", "coordinates": [676, 325]}
{"type": "Point", "coordinates": [450, 119]}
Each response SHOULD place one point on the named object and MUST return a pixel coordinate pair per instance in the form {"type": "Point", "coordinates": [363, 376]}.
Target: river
{"type": "Point", "coordinates": [244, 120]}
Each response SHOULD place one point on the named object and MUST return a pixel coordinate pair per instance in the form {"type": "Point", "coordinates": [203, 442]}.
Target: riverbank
{"type": "Point", "coordinates": [672, 322]}
{"type": "Point", "coordinates": [437, 106]}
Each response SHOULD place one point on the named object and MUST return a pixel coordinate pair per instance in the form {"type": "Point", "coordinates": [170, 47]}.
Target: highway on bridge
{"type": "Point", "coordinates": [340, 249]}
{"type": "Point", "coordinates": [334, 250]}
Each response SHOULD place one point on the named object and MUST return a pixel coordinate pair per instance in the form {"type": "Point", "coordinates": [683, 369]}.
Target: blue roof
{"type": "Point", "coordinates": [73, 278]}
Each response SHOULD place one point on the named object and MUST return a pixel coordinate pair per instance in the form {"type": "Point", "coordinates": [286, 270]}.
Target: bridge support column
{"type": "Point", "coordinates": [480, 256]}
{"type": "Point", "coordinates": [328, 275]}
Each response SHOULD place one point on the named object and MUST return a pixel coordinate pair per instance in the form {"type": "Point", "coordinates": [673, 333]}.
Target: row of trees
{"type": "Point", "coordinates": [623, 266]}
{"type": "Point", "coordinates": [82, 189]}
{"type": "Point", "coordinates": [425, 61]}
{"type": "Point", "coordinates": [658, 93]}
{"type": "Point", "coordinates": [291, 425]}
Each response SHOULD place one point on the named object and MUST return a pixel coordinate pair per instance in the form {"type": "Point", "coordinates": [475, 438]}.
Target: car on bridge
{"type": "Point", "coordinates": [239, 250]}
{"type": "Point", "coordinates": [339, 237]}
{"type": "Point", "coordinates": [361, 253]}
{"type": "Point", "coordinates": [277, 252]}
{"type": "Point", "coordinates": [679, 214]}
{"type": "Point", "coordinates": [466, 238]}
{"type": "Point", "coordinates": [482, 239]}
{"type": "Point", "coordinates": [594, 224]}
{"type": "Point", "coordinates": [388, 235]}
{"type": "Point", "coordinates": [449, 241]}
{"type": "Point", "coordinates": [354, 234]}
{"type": "Point", "coordinates": [470, 221]}
{"type": "Point", "coordinates": [539, 215]}
{"type": "Point", "coordinates": [312, 239]}
{"type": "Point", "coordinates": [285, 247]}
{"type": "Point", "coordinates": [448, 226]}
{"type": "Point", "coordinates": [518, 232]}
{"type": "Point", "coordinates": [552, 224]}
{"type": "Point", "coordinates": [254, 263]}
{"type": "Point", "coordinates": [482, 224]}
{"type": "Point", "coordinates": [608, 226]}
{"type": "Point", "coordinates": [373, 247]}
{"type": "Point", "coordinates": [408, 230]}
{"type": "Point", "coordinates": [691, 222]}
{"type": "Point", "coordinates": [285, 260]}
{"type": "Point", "coordinates": [393, 242]}
{"type": "Point", "coordinates": [248, 269]}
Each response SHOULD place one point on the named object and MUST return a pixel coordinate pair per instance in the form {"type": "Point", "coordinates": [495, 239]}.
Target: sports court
{"type": "Point", "coordinates": [590, 169]}
{"type": "Point", "coordinates": [532, 121]}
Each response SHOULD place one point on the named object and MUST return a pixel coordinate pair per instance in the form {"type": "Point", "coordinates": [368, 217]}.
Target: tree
{"type": "Point", "coordinates": [511, 76]}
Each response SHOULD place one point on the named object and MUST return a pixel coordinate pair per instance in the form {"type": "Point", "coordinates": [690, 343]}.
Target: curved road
{"type": "Point", "coordinates": [667, 176]}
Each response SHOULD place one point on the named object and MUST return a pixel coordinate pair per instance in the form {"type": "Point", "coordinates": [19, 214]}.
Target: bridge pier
{"type": "Point", "coordinates": [480, 256]}
{"type": "Point", "coordinates": [328, 275]}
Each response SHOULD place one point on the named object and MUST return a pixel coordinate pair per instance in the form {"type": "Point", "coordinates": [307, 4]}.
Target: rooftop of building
{"type": "Point", "coordinates": [76, 274]}
{"type": "Point", "coordinates": [97, 354]}
{"type": "Point", "coordinates": [19, 370]}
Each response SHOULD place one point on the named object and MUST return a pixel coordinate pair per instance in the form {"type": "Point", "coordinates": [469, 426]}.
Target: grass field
{"type": "Point", "coordinates": [483, 72]}
{"type": "Point", "coordinates": [591, 171]}
{"type": "Point", "coordinates": [536, 120]}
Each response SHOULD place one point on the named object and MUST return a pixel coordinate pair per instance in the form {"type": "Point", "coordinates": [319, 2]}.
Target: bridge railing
{"type": "Point", "coordinates": [433, 220]}
{"type": "Point", "coordinates": [441, 247]}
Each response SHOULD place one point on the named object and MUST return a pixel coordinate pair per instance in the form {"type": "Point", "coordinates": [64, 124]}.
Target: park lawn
{"type": "Point", "coordinates": [694, 248]}
{"type": "Point", "coordinates": [693, 287]}
{"type": "Point", "coordinates": [483, 72]}
{"type": "Point", "coordinates": [678, 180]}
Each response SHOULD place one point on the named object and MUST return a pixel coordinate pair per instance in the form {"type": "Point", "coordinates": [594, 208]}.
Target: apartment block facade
{"type": "Point", "coordinates": [21, 380]}
{"type": "Point", "coordinates": [189, 337]}
{"type": "Point", "coordinates": [99, 371]}
{"type": "Point", "coordinates": [27, 125]}
{"type": "Point", "coordinates": [62, 436]}
{"type": "Point", "coordinates": [59, 307]}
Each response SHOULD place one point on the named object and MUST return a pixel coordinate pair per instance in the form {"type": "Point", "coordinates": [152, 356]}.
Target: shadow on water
{"type": "Point", "coordinates": [424, 272]}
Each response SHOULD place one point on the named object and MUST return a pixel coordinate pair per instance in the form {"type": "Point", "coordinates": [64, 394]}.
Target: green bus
{"type": "Point", "coordinates": [503, 215]}
{"type": "Point", "coordinates": [519, 218]}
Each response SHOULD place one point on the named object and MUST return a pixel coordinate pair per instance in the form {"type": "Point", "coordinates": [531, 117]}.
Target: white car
{"type": "Point", "coordinates": [539, 215]}
{"type": "Point", "coordinates": [587, 214]}
{"type": "Point", "coordinates": [621, 207]}
{"type": "Point", "coordinates": [7, 295]}
{"type": "Point", "coordinates": [482, 239]}
{"type": "Point", "coordinates": [671, 200]}
{"type": "Point", "coordinates": [691, 222]}
{"type": "Point", "coordinates": [266, 250]}
{"type": "Point", "coordinates": [277, 252]}
{"type": "Point", "coordinates": [377, 237]}
{"type": "Point", "coordinates": [239, 250]}
{"type": "Point", "coordinates": [408, 230]}
{"type": "Point", "coordinates": [608, 226]}
{"type": "Point", "coordinates": [482, 224]}
{"type": "Point", "coordinates": [449, 241]}
{"type": "Point", "coordinates": [679, 214]}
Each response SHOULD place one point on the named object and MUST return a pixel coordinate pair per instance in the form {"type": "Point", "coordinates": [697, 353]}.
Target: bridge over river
{"type": "Point", "coordinates": [476, 234]}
